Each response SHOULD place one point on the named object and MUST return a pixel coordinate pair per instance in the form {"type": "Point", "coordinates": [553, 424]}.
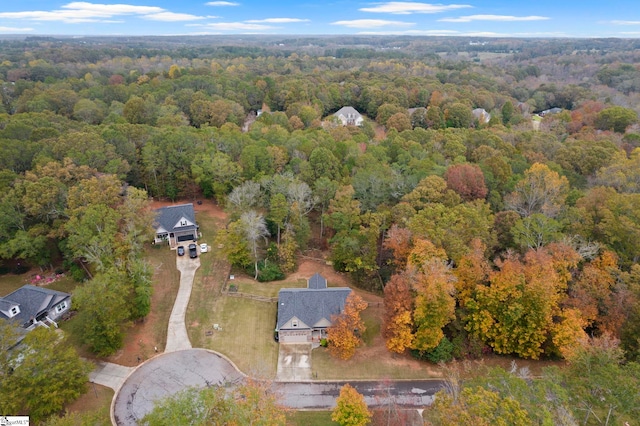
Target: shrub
{"type": "Point", "coordinates": [269, 271]}
{"type": "Point", "coordinates": [441, 353]}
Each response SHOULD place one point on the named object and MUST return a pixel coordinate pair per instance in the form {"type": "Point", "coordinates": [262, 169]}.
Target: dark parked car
{"type": "Point", "coordinates": [180, 250]}
{"type": "Point", "coordinates": [193, 251]}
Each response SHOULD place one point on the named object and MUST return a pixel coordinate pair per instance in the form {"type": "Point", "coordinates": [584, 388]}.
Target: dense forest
{"type": "Point", "coordinates": [516, 234]}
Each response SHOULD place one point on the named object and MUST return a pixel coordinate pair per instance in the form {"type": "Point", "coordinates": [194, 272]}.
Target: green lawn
{"type": "Point", "coordinates": [11, 282]}
{"type": "Point", "coordinates": [267, 289]}
{"type": "Point", "coordinates": [246, 336]}
{"type": "Point", "coordinates": [247, 325]}
{"type": "Point", "coordinates": [310, 418]}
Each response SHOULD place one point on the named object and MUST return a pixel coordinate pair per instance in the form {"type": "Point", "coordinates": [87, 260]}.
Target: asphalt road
{"type": "Point", "coordinates": [322, 395]}
{"type": "Point", "coordinates": [169, 373]}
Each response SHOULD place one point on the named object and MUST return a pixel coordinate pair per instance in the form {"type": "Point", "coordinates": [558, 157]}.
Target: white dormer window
{"type": "Point", "coordinates": [14, 311]}
{"type": "Point", "coordinates": [294, 323]}
{"type": "Point", "coordinates": [61, 307]}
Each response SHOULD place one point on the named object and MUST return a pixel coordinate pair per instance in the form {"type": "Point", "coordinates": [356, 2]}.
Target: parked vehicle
{"type": "Point", "coordinates": [204, 248]}
{"type": "Point", "coordinates": [180, 250]}
{"type": "Point", "coordinates": [193, 251]}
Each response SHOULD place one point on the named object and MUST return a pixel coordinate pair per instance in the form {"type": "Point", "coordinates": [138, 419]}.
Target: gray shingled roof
{"type": "Point", "coordinates": [317, 282]}
{"type": "Point", "coordinates": [310, 306]}
{"type": "Point", "coordinates": [346, 111]}
{"type": "Point", "coordinates": [33, 301]}
{"type": "Point", "coordinates": [169, 216]}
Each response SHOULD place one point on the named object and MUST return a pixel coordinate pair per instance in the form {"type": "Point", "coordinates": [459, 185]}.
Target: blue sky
{"type": "Point", "coordinates": [477, 18]}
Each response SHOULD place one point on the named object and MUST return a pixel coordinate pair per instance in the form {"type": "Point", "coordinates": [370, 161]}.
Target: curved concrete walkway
{"type": "Point", "coordinates": [177, 337]}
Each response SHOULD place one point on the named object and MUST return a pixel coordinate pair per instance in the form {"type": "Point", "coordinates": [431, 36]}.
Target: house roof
{"type": "Point", "coordinates": [33, 301]}
{"type": "Point", "coordinates": [317, 282]}
{"type": "Point", "coordinates": [168, 217]}
{"type": "Point", "coordinates": [348, 112]}
{"type": "Point", "coordinates": [310, 306]}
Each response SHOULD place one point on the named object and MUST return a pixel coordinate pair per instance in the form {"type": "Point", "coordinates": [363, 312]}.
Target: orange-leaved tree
{"type": "Point", "coordinates": [344, 334]}
{"type": "Point", "coordinates": [398, 307]}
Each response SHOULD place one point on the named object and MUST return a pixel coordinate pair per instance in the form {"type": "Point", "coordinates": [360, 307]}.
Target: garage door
{"type": "Point", "coordinates": [185, 238]}
{"type": "Point", "coordinates": [294, 337]}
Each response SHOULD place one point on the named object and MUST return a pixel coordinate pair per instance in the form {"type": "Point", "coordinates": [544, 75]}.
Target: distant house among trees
{"type": "Point", "coordinates": [175, 224]}
{"type": "Point", "coordinates": [304, 314]}
{"type": "Point", "coordinates": [31, 306]}
{"type": "Point", "coordinates": [481, 115]}
{"type": "Point", "coordinates": [348, 116]}
{"type": "Point", "coordinates": [550, 111]}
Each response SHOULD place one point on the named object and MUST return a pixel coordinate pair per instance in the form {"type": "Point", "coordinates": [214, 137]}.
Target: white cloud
{"type": "Point", "coordinates": [14, 30]}
{"type": "Point", "coordinates": [413, 32]}
{"type": "Point", "coordinates": [406, 8]}
{"type": "Point", "coordinates": [222, 3]}
{"type": "Point", "coordinates": [242, 26]}
{"type": "Point", "coordinates": [372, 23]}
{"type": "Point", "coordinates": [111, 9]}
{"type": "Point", "coordinates": [625, 22]}
{"type": "Point", "coordinates": [173, 17]}
{"type": "Point", "coordinates": [498, 18]}
{"type": "Point", "coordinates": [76, 12]}
{"type": "Point", "coordinates": [276, 20]}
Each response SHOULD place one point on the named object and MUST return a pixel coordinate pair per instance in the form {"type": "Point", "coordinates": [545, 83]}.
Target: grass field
{"type": "Point", "coordinates": [247, 325]}
{"type": "Point", "coordinates": [11, 282]}
{"type": "Point", "coordinates": [267, 289]}
{"type": "Point", "coordinates": [310, 418]}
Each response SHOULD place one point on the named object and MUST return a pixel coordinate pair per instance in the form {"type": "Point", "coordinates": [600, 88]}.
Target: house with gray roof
{"type": "Point", "coordinates": [304, 314]}
{"type": "Point", "coordinates": [31, 306]}
{"type": "Point", "coordinates": [348, 116]}
{"type": "Point", "coordinates": [175, 224]}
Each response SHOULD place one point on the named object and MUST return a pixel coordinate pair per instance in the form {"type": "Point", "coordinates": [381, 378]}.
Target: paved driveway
{"type": "Point", "coordinates": [177, 337]}
{"type": "Point", "coordinates": [294, 362]}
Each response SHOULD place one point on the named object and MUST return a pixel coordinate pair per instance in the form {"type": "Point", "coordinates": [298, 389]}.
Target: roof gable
{"type": "Point", "coordinates": [172, 217]}
{"type": "Point", "coordinates": [311, 306]}
{"type": "Point", "coordinates": [33, 301]}
{"type": "Point", "coordinates": [317, 282]}
{"type": "Point", "coordinates": [348, 112]}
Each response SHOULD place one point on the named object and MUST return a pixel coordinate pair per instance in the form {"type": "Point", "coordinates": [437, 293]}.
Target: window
{"type": "Point", "coordinates": [183, 222]}
{"type": "Point", "coordinates": [294, 323]}
{"type": "Point", "coordinates": [61, 307]}
{"type": "Point", "coordinates": [14, 311]}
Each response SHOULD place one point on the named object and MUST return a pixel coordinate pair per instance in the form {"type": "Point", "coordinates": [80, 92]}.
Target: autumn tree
{"type": "Point", "coordinates": [542, 190]}
{"type": "Point", "coordinates": [351, 408]}
{"type": "Point", "coordinates": [435, 303]}
{"type": "Point", "coordinates": [250, 403]}
{"type": "Point", "coordinates": [398, 310]}
{"type": "Point", "coordinates": [477, 406]}
{"type": "Point", "coordinates": [516, 312]}
{"type": "Point", "coordinates": [344, 334]}
{"type": "Point", "coordinates": [467, 180]}
{"type": "Point", "coordinates": [399, 241]}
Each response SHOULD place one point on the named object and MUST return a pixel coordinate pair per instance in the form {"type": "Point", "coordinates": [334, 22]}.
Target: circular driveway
{"type": "Point", "coordinates": [166, 375]}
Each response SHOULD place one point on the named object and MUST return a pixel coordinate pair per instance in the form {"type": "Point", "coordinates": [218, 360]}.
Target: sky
{"type": "Point", "coordinates": [476, 18]}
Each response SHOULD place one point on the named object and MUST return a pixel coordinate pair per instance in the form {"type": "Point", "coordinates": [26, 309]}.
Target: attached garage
{"type": "Point", "coordinates": [182, 238]}
{"type": "Point", "coordinates": [301, 336]}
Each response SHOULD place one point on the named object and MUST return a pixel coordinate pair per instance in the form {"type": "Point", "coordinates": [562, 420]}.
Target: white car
{"type": "Point", "coordinates": [204, 248]}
